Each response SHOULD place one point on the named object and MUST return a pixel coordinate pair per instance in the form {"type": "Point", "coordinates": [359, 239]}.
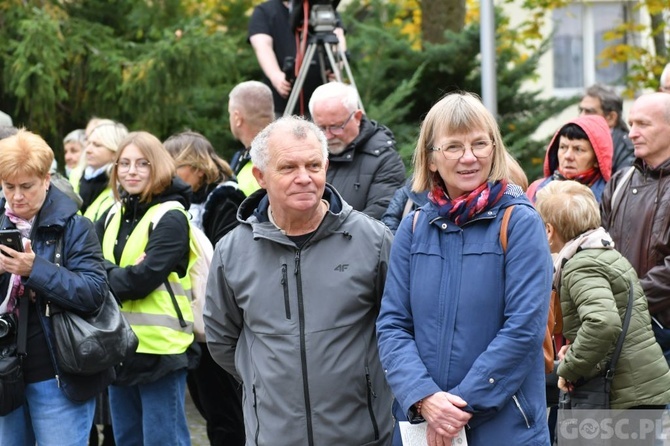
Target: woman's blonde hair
{"type": "Point", "coordinates": [459, 112]}
{"type": "Point", "coordinates": [194, 150]}
{"type": "Point", "coordinates": [569, 206]}
{"type": "Point", "coordinates": [162, 167]}
{"type": "Point", "coordinates": [24, 153]}
{"type": "Point", "coordinates": [109, 133]}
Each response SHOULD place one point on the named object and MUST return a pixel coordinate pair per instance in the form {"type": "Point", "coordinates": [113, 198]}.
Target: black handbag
{"type": "Point", "coordinates": [595, 393]}
{"type": "Point", "coordinates": [12, 387]}
{"type": "Point", "coordinates": [86, 345]}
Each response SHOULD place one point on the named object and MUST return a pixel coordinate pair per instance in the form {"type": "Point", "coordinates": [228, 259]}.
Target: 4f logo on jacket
{"type": "Point", "coordinates": [342, 267]}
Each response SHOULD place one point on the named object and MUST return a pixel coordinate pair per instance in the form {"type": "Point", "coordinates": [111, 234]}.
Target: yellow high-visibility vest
{"type": "Point", "coordinates": [153, 318]}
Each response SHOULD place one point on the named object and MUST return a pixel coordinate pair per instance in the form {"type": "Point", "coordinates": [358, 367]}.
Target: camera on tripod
{"type": "Point", "coordinates": [7, 324]}
{"type": "Point", "coordinates": [321, 14]}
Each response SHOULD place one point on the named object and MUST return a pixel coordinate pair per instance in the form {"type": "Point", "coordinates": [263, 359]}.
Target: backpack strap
{"type": "Point", "coordinates": [503, 227]}
{"type": "Point", "coordinates": [416, 218]}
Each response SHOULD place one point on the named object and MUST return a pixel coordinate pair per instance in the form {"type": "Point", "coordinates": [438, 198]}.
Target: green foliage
{"type": "Point", "coordinates": [384, 59]}
{"type": "Point", "coordinates": [168, 66]}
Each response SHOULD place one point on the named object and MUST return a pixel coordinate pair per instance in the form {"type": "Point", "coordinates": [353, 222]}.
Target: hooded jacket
{"type": "Point", "coordinates": [79, 286]}
{"type": "Point", "coordinates": [296, 326]}
{"type": "Point", "coordinates": [639, 223]}
{"type": "Point", "coordinates": [594, 298]}
{"type": "Point", "coordinates": [369, 170]}
{"type": "Point", "coordinates": [600, 138]}
{"type": "Point", "coordinates": [463, 316]}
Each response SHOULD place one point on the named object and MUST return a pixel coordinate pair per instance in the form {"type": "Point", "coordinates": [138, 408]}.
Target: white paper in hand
{"type": "Point", "coordinates": [415, 435]}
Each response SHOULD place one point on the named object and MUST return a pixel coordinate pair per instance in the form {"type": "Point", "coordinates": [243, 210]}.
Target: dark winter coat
{"type": "Point", "coordinates": [639, 223]}
{"type": "Point", "coordinates": [79, 285]}
{"type": "Point", "coordinates": [369, 171]}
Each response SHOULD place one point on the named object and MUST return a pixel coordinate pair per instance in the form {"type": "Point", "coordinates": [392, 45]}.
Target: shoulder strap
{"type": "Point", "coordinates": [503, 227]}
{"type": "Point", "coordinates": [619, 343]}
{"type": "Point", "coordinates": [416, 218]}
{"type": "Point", "coordinates": [23, 326]}
{"type": "Point", "coordinates": [619, 188]}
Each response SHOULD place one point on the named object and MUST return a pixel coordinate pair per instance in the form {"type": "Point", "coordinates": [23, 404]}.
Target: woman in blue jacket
{"type": "Point", "coordinates": [462, 321]}
{"type": "Point", "coordinates": [59, 407]}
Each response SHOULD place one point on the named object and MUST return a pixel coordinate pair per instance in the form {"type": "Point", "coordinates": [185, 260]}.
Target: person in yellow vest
{"type": "Point", "coordinates": [216, 198]}
{"type": "Point", "coordinates": [251, 109]}
{"type": "Point", "coordinates": [147, 265]}
{"type": "Point", "coordinates": [93, 186]}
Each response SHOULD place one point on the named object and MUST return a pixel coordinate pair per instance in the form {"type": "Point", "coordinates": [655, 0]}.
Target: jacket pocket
{"type": "Point", "coordinates": [371, 395]}
{"type": "Point", "coordinates": [284, 284]}
{"type": "Point", "coordinates": [521, 406]}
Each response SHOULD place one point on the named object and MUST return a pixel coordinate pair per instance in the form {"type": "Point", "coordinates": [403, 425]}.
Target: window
{"type": "Point", "coordinates": [578, 41]}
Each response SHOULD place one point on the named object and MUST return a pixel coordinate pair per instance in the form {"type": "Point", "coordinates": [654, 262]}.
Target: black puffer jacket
{"type": "Point", "coordinates": [639, 223]}
{"type": "Point", "coordinates": [369, 171]}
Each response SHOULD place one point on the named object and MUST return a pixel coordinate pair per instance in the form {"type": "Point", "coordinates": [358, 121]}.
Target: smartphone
{"type": "Point", "coordinates": [12, 239]}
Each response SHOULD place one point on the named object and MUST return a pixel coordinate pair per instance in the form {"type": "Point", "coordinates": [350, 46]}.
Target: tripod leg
{"type": "Point", "coordinates": [300, 80]}
{"type": "Point", "coordinates": [333, 63]}
{"type": "Point", "coordinates": [347, 69]}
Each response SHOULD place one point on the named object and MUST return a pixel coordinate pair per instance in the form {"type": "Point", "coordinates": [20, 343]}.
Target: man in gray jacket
{"type": "Point", "coordinates": [365, 167]}
{"type": "Point", "coordinates": [292, 300]}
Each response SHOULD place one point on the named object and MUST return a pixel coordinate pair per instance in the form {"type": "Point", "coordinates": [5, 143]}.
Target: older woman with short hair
{"type": "Point", "coordinates": [59, 407]}
{"type": "Point", "coordinates": [593, 280]}
{"type": "Point", "coordinates": [581, 150]}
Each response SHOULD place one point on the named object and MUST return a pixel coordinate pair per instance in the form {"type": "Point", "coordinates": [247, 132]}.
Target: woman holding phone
{"type": "Point", "coordinates": [59, 407]}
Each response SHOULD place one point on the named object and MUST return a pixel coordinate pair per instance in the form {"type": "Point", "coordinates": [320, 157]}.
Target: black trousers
{"type": "Point", "coordinates": [218, 398]}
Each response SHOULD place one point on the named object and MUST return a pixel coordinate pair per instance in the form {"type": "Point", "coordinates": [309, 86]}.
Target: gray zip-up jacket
{"type": "Point", "coordinates": [297, 326]}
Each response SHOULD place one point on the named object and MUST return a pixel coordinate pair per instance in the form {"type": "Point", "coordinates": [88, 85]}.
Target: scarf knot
{"type": "Point", "coordinates": [464, 208]}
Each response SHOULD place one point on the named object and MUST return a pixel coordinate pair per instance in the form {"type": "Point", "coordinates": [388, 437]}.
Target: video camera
{"type": "Point", "coordinates": [321, 14]}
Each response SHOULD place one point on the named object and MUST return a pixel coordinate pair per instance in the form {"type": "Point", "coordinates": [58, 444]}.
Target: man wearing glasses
{"type": "Point", "coordinates": [365, 167]}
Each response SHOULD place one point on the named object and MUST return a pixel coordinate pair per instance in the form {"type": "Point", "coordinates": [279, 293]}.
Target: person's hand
{"type": "Point", "coordinates": [443, 412]}
{"type": "Point", "coordinates": [140, 258]}
{"type": "Point", "coordinates": [435, 439]}
{"type": "Point", "coordinates": [562, 352]}
{"type": "Point", "coordinates": [19, 263]}
{"type": "Point", "coordinates": [280, 84]}
{"type": "Point", "coordinates": [564, 385]}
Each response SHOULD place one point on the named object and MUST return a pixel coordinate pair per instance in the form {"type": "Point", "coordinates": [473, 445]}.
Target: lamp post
{"type": "Point", "coordinates": [487, 42]}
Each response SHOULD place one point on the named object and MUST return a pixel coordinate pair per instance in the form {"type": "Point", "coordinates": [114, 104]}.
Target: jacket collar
{"type": "Point", "coordinates": [254, 212]}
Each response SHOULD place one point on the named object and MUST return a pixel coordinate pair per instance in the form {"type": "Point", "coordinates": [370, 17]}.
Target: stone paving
{"type": "Point", "coordinates": [196, 424]}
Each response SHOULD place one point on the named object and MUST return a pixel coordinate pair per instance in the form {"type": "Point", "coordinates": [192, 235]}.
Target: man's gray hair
{"type": "Point", "coordinates": [344, 92]}
{"type": "Point", "coordinates": [297, 126]}
{"type": "Point", "coordinates": [610, 101]}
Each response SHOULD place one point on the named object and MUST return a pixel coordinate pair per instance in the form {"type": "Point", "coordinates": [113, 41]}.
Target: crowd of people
{"type": "Point", "coordinates": [344, 298]}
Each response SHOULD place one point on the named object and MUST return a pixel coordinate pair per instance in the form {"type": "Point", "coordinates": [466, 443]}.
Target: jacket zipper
{"type": "Point", "coordinates": [284, 282]}
{"type": "Point", "coordinates": [258, 421]}
{"type": "Point", "coordinates": [371, 394]}
{"type": "Point", "coordinates": [518, 405]}
{"type": "Point", "coordinates": [303, 350]}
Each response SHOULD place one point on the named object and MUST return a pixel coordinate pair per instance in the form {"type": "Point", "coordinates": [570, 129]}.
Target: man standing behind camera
{"type": "Point", "coordinates": [364, 165]}
{"type": "Point", "coordinates": [274, 43]}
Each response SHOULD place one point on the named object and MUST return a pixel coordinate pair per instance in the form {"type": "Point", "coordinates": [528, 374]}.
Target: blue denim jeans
{"type": "Point", "coordinates": [151, 414]}
{"type": "Point", "coordinates": [48, 418]}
